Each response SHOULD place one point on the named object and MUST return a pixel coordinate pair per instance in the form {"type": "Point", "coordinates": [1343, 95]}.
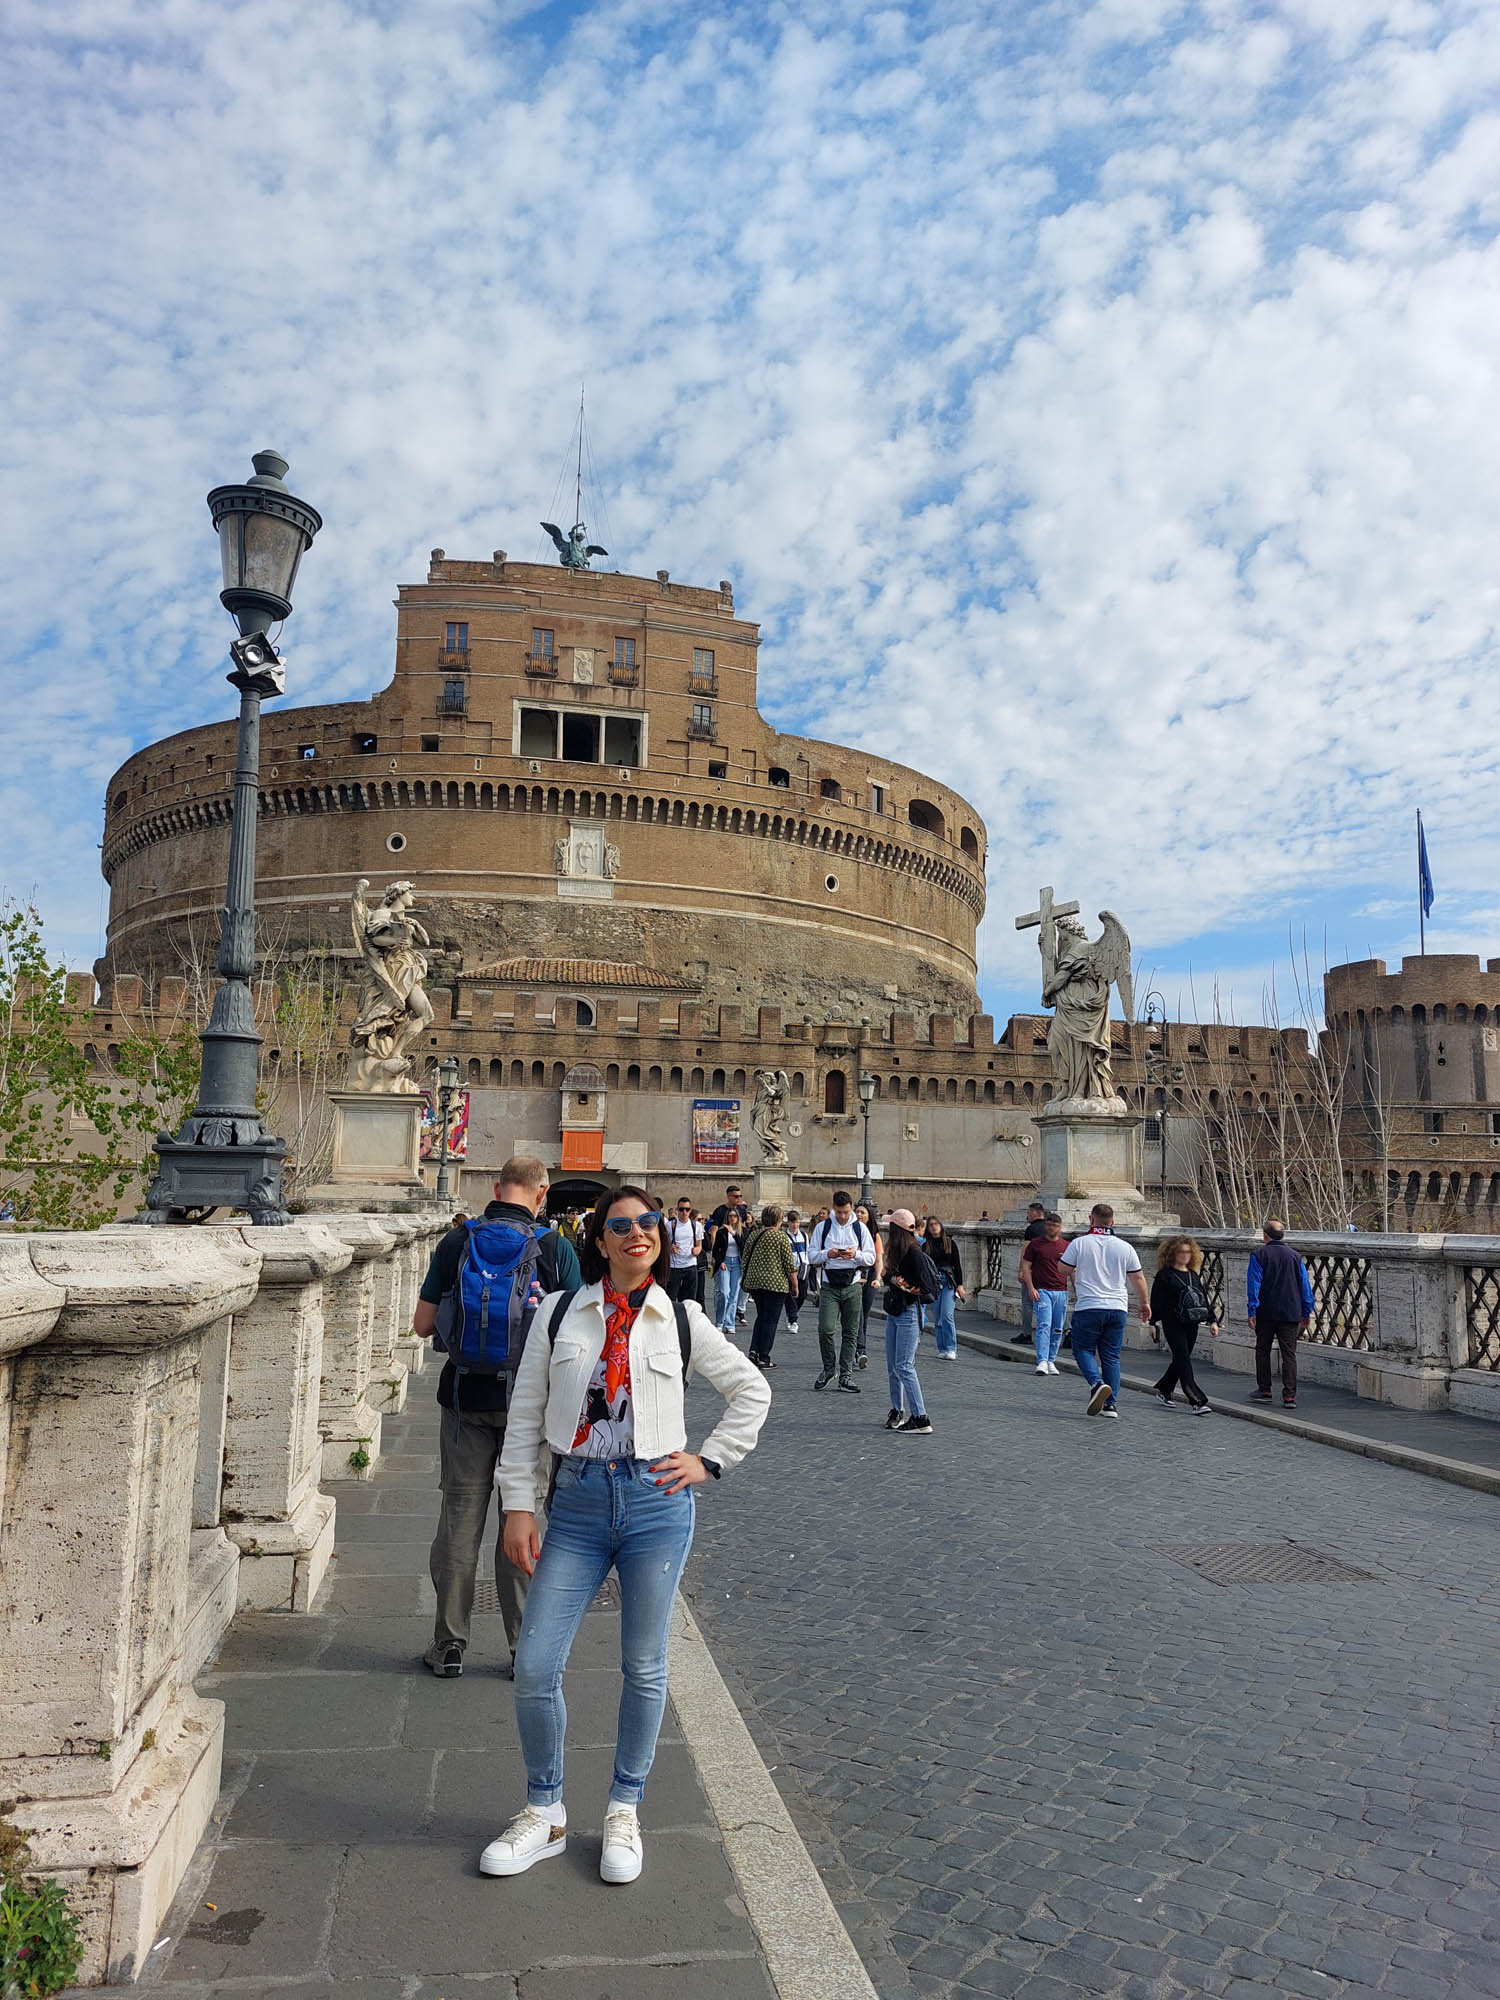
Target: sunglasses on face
{"type": "Point", "coordinates": [621, 1225]}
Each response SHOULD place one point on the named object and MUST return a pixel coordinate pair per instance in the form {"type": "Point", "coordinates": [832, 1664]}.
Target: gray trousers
{"type": "Point", "coordinates": [470, 1451]}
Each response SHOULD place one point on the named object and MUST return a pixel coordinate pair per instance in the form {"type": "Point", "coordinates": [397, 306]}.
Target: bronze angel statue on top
{"type": "Point", "coordinates": [393, 1006]}
{"type": "Point", "coordinates": [574, 549]}
{"type": "Point", "coordinates": [1076, 978]}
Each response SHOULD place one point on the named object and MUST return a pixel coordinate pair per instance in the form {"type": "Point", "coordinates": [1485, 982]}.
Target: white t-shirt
{"type": "Point", "coordinates": [1100, 1265]}
{"type": "Point", "coordinates": [686, 1239]}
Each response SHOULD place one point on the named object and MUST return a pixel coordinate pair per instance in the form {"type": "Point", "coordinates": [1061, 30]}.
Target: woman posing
{"type": "Point", "coordinates": [724, 1261]}
{"type": "Point", "coordinates": [796, 1235]}
{"type": "Point", "coordinates": [908, 1274]}
{"type": "Point", "coordinates": [872, 1278]}
{"type": "Point", "coordinates": [1179, 1306]}
{"type": "Point", "coordinates": [769, 1272]}
{"type": "Point", "coordinates": [601, 1384]}
{"type": "Point", "coordinates": [949, 1266]}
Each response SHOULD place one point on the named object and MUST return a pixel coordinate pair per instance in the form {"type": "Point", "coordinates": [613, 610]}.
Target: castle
{"type": "Point", "coordinates": [638, 893]}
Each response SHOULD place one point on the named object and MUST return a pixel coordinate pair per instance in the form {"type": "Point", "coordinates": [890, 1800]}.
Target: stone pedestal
{"type": "Point", "coordinates": [115, 1760]}
{"type": "Point", "coordinates": [376, 1152]}
{"type": "Point", "coordinates": [1091, 1151]}
{"type": "Point", "coordinates": [772, 1184]}
{"type": "Point", "coordinates": [273, 1510]}
{"type": "Point", "coordinates": [348, 1414]}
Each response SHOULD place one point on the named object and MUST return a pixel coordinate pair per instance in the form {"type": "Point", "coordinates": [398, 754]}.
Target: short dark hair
{"type": "Point", "coordinates": [842, 1199]}
{"type": "Point", "coordinates": [1102, 1211]}
{"type": "Point", "coordinates": [591, 1257]}
{"type": "Point", "coordinates": [1052, 1216]}
{"type": "Point", "coordinates": [734, 1188]}
{"type": "Point", "coordinates": [1034, 1205]}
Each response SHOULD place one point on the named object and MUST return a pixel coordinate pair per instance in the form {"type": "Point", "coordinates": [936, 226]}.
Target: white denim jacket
{"type": "Point", "coordinates": [553, 1379]}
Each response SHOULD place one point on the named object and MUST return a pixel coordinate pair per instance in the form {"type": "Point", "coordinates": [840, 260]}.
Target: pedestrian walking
{"type": "Point", "coordinates": [840, 1248]}
{"type": "Point", "coordinates": [474, 1403]}
{"type": "Point", "coordinates": [949, 1265]}
{"type": "Point", "coordinates": [1044, 1285]}
{"type": "Point", "coordinates": [684, 1241]}
{"type": "Point", "coordinates": [869, 1282]}
{"type": "Point", "coordinates": [1180, 1307]}
{"type": "Point", "coordinates": [600, 1387]}
{"type": "Point", "coordinates": [724, 1261]}
{"type": "Point", "coordinates": [1279, 1304]}
{"type": "Point", "coordinates": [767, 1269]}
{"type": "Point", "coordinates": [796, 1235]}
{"type": "Point", "coordinates": [909, 1279]}
{"type": "Point", "coordinates": [1036, 1217]}
{"type": "Point", "coordinates": [1105, 1270]}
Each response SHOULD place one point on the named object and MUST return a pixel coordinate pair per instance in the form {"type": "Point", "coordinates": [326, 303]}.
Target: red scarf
{"type": "Point", "coordinates": [619, 1318]}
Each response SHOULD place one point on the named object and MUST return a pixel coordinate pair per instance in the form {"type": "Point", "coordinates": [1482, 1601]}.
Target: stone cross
{"type": "Point", "coordinates": [1046, 912]}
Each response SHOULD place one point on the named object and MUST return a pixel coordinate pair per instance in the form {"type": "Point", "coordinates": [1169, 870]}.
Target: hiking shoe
{"type": "Point", "coordinates": [1099, 1398]}
{"type": "Point", "coordinates": [824, 1379]}
{"type": "Point", "coordinates": [915, 1427]}
{"type": "Point", "coordinates": [894, 1420]}
{"type": "Point", "coordinates": [623, 1853]}
{"type": "Point", "coordinates": [849, 1388]}
{"type": "Point", "coordinates": [530, 1837]}
{"type": "Point", "coordinates": [448, 1664]}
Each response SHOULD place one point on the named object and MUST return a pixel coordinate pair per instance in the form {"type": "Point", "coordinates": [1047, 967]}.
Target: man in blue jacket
{"type": "Point", "coordinates": [1279, 1304]}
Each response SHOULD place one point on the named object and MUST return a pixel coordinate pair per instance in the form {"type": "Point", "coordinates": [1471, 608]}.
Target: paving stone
{"type": "Point", "coordinates": [270, 1909]}
{"type": "Point", "coordinates": [309, 1710]}
{"type": "Point", "coordinates": [722, 1978]}
{"type": "Point", "coordinates": [335, 1795]}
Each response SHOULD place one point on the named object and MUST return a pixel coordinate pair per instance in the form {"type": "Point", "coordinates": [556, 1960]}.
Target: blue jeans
{"type": "Point", "coordinates": [946, 1332]}
{"type": "Point", "coordinates": [902, 1332]}
{"type": "Point", "coordinates": [1097, 1327]}
{"type": "Point", "coordinates": [726, 1294]}
{"type": "Point", "coordinates": [605, 1514]}
{"type": "Point", "coordinates": [1049, 1312]}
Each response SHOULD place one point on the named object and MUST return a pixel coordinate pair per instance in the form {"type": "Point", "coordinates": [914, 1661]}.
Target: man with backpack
{"type": "Point", "coordinates": [841, 1248]}
{"type": "Point", "coordinates": [482, 1287]}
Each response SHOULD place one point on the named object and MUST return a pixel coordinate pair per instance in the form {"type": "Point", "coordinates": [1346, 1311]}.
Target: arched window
{"type": "Point", "coordinates": [497, 1070]}
{"type": "Point", "coordinates": [559, 1071]}
{"type": "Point", "coordinates": [1008, 1094]}
{"type": "Point", "coordinates": [833, 1092]}
{"type": "Point", "coordinates": [989, 1090]}
{"type": "Point", "coordinates": [968, 840]}
{"type": "Point", "coordinates": [718, 1082]}
{"type": "Point", "coordinates": [829, 789]}
{"type": "Point", "coordinates": [799, 1084]}
{"type": "Point", "coordinates": [653, 1077]}
{"type": "Point", "coordinates": [695, 1082]}
{"type": "Point", "coordinates": [518, 1071]}
{"type": "Point", "coordinates": [914, 1087]}
{"type": "Point", "coordinates": [1028, 1092]}
{"type": "Point", "coordinates": [925, 815]}
{"type": "Point", "coordinates": [585, 1013]}
{"type": "Point", "coordinates": [970, 1093]}
{"type": "Point", "coordinates": [538, 1075]}
{"type": "Point", "coordinates": [777, 776]}
{"type": "Point", "coordinates": [612, 1077]}
{"type": "Point", "coordinates": [674, 1081]}
{"type": "Point", "coordinates": [950, 1090]}
{"type": "Point", "coordinates": [633, 1077]}
{"type": "Point", "coordinates": [474, 1072]}
{"type": "Point", "coordinates": [931, 1092]}
{"type": "Point", "coordinates": [739, 1080]}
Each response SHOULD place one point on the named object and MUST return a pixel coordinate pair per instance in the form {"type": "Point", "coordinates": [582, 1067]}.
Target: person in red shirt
{"type": "Point", "coordinates": [1044, 1280]}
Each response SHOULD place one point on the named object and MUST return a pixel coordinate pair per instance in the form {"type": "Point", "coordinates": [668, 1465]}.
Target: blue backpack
{"type": "Point", "coordinates": [483, 1321]}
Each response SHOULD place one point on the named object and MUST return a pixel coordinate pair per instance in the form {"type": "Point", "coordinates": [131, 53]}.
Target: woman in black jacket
{"type": "Point", "coordinates": [1179, 1306]}
{"type": "Point", "coordinates": [949, 1266]}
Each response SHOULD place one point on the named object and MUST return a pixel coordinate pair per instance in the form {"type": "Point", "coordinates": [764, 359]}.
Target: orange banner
{"type": "Point", "coordinates": [582, 1152]}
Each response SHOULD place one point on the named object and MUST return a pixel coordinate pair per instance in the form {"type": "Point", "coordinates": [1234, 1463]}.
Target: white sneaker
{"type": "Point", "coordinates": [623, 1853]}
{"type": "Point", "coordinates": [1053, 1369]}
{"type": "Point", "coordinates": [1041, 1368]}
{"type": "Point", "coordinates": [530, 1837]}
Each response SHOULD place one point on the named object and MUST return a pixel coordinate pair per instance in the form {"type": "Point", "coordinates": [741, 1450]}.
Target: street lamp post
{"type": "Point", "coordinates": [1161, 1072]}
{"type": "Point", "coordinates": [225, 1156]}
{"type": "Point", "coordinates": [447, 1085]}
{"type": "Point", "coordinates": [866, 1088]}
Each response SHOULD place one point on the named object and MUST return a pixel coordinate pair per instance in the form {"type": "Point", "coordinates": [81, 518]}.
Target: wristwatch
{"type": "Point", "coordinates": [712, 1467]}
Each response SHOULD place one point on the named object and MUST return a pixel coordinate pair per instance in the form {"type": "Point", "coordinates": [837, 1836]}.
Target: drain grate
{"type": "Point", "coordinates": [1263, 1562]}
{"type": "Point", "coordinates": [487, 1598]}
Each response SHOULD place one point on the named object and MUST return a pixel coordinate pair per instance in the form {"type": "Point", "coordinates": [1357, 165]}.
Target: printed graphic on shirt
{"type": "Point", "coordinates": [606, 1425]}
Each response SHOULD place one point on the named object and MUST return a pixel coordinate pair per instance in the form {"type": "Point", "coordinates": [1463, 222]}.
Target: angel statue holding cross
{"type": "Point", "coordinates": [1076, 978]}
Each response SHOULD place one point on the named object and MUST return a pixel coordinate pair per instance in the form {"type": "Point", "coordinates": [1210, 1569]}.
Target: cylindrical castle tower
{"type": "Point", "coordinates": [570, 765]}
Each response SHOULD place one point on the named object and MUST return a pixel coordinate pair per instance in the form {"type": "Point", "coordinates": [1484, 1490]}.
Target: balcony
{"type": "Point", "coordinates": [701, 732]}
{"type": "Point", "coordinates": [703, 684]}
{"type": "Point", "coordinates": [624, 674]}
{"type": "Point", "coordinates": [454, 657]}
{"type": "Point", "coordinates": [453, 701]}
{"type": "Point", "coordinates": [543, 664]}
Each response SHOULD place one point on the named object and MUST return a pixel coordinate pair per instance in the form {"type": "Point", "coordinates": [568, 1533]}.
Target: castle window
{"type": "Point", "coordinates": [718, 770]}
{"type": "Point", "coordinates": [580, 739]}
{"type": "Point", "coordinates": [926, 816]}
{"type": "Point", "coordinates": [830, 789]}
{"type": "Point", "coordinates": [454, 698]}
{"type": "Point", "coordinates": [496, 1071]}
{"type": "Point", "coordinates": [968, 840]}
{"type": "Point", "coordinates": [364, 744]}
{"type": "Point", "coordinates": [585, 1013]}
{"type": "Point", "coordinates": [703, 715]}
{"type": "Point", "coordinates": [538, 732]}
{"type": "Point", "coordinates": [624, 652]}
{"type": "Point", "coordinates": [307, 751]}
{"type": "Point", "coordinates": [1432, 1121]}
{"type": "Point", "coordinates": [703, 661]}
{"type": "Point", "coordinates": [543, 644]}
{"type": "Point", "coordinates": [777, 776]}
{"type": "Point", "coordinates": [121, 800]}
{"type": "Point", "coordinates": [877, 798]}
{"type": "Point", "coordinates": [429, 743]}
{"type": "Point", "coordinates": [455, 637]}
{"type": "Point", "coordinates": [833, 1093]}
{"type": "Point", "coordinates": [622, 739]}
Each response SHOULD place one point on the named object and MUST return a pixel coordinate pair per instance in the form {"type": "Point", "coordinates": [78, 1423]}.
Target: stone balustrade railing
{"type": "Point", "coordinates": [171, 1402]}
{"type": "Point", "coordinates": [1411, 1320]}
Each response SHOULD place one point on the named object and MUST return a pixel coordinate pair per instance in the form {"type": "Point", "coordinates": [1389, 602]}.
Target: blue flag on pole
{"type": "Point", "coordinates": [1424, 873]}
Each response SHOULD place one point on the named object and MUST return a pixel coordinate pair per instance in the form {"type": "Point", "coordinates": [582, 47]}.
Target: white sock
{"type": "Point", "coordinates": [557, 1813]}
{"type": "Point", "coordinates": [613, 1802]}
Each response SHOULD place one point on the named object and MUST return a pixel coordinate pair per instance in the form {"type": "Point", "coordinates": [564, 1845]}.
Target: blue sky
{"type": "Point", "coordinates": [1095, 403]}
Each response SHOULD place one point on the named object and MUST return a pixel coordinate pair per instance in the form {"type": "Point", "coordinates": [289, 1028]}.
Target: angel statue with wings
{"type": "Point", "coordinates": [1076, 978]}
{"type": "Point", "coordinates": [393, 1007]}
{"type": "Point", "coordinates": [574, 549]}
{"type": "Point", "coordinates": [768, 1115]}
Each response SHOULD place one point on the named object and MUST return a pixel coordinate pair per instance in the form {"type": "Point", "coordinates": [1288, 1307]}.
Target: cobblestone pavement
{"type": "Point", "coordinates": [1033, 1755]}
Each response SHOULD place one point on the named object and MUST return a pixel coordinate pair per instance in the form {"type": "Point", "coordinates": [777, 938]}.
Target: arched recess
{"type": "Point", "coordinates": [835, 1086]}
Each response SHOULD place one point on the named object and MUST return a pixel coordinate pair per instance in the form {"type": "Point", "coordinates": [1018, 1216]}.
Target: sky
{"type": "Point", "coordinates": [1096, 405]}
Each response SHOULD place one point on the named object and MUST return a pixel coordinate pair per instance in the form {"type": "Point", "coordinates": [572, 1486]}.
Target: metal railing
{"type": "Point", "coordinates": [1344, 1313]}
{"type": "Point", "coordinates": [703, 684]}
{"type": "Point", "coordinates": [453, 656]}
{"type": "Point", "coordinates": [701, 732]}
{"type": "Point", "coordinates": [1482, 1314]}
{"type": "Point", "coordinates": [541, 663]}
{"type": "Point", "coordinates": [624, 674]}
{"type": "Point", "coordinates": [455, 703]}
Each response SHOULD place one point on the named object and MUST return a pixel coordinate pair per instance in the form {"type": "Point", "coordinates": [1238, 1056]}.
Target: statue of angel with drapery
{"type": "Point", "coordinates": [394, 1007]}
{"type": "Point", "coordinates": [1076, 978]}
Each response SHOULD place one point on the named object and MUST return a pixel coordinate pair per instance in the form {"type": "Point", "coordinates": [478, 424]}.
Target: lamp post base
{"type": "Point", "coordinates": [217, 1162]}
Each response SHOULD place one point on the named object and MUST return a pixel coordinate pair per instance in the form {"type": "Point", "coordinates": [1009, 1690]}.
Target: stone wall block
{"type": "Point", "coordinates": [348, 1417]}
{"type": "Point", "coordinates": [273, 1510]}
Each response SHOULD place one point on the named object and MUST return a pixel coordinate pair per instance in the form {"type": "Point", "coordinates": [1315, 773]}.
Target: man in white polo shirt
{"type": "Point", "coordinates": [684, 1241]}
{"type": "Point", "coordinates": [1104, 1266]}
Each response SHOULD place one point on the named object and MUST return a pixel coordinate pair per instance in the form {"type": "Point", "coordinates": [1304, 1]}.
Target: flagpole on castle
{"type": "Point", "coordinates": [1421, 889]}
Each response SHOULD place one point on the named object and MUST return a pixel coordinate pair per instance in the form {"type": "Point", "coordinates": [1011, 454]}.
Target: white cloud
{"type": "Point", "coordinates": [1117, 379]}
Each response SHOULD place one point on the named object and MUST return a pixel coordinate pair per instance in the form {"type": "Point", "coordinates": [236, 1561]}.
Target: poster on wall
{"type": "Point", "coordinates": [716, 1131]}
{"type": "Point", "coordinates": [458, 1127]}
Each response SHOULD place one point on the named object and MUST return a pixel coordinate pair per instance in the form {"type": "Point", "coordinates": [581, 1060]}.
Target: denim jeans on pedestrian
{"type": "Point", "coordinates": [1098, 1336]}
{"type": "Point", "coordinates": [902, 1332]}
{"type": "Point", "coordinates": [945, 1330]}
{"type": "Point", "coordinates": [726, 1293]}
{"type": "Point", "coordinates": [605, 1514]}
{"type": "Point", "coordinates": [1050, 1310]}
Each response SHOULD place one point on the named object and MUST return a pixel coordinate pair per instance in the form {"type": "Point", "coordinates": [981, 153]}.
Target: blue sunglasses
{"type": "Point", "coordinates": [621, 1225]}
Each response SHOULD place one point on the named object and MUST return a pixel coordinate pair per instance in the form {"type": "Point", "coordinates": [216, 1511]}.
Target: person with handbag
{"type": "Point", "coordinates": [599, 1398]}
{"type": "Point", "coordinates": [1179, 1306]}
